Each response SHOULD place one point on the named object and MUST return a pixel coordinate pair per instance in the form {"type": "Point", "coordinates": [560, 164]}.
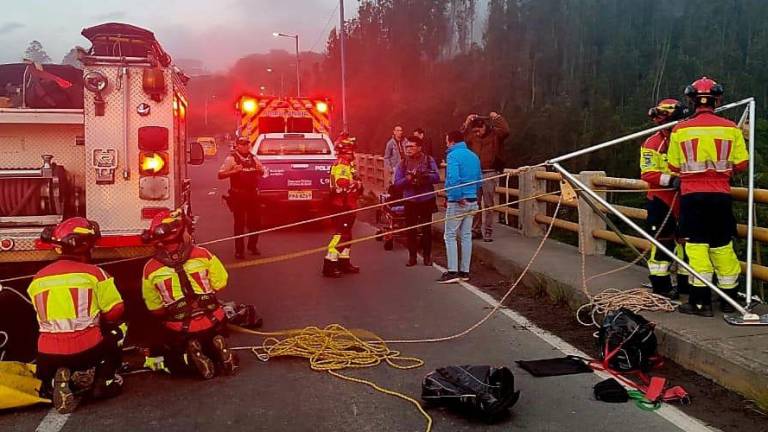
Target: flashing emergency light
{"type": "Point", "coordinates": [321, 107]}
{"type": "Point", "coordinates": [153, 163]}
{"type": "Point", "coordinates": [248, 106]}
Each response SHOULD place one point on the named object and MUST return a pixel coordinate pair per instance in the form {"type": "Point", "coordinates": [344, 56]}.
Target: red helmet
{"type": "Point", "coordinates": [73, 235]}
{"type": "Point", "coordinates": [667, 110]}
{"type": "Point", "coordinates": [345, 145]}
{"type": "Point", "coordinates": [166, 226]}
{"type": "Point", "coordinates": [704, 91]}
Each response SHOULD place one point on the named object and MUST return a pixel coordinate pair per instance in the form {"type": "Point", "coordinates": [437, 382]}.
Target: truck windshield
{"type": "Point", "coordinates": [293, 146]}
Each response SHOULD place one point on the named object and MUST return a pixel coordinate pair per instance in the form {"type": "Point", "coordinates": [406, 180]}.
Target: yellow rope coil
{"type": "Point", "coordinates": [334, 348]}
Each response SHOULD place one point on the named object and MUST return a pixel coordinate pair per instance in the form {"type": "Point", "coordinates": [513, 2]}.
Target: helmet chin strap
{"type": "Point", "coordinates": [172, 256]}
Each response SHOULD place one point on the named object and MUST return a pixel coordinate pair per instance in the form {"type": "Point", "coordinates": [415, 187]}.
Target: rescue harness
{"type": "Point", "coordinates": [192, 305]}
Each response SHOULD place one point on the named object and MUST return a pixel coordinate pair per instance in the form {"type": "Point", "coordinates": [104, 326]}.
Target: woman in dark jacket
{"type": "Point", "coordinates": [416, 175]}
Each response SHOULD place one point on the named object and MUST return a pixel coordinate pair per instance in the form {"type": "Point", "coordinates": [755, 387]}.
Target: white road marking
{"type": "Point", "coordinates": [212, 193]}
{"type": "Point", "coordinates": [667, 411]}
{"type": "Point", "coordinates": [52, 422]}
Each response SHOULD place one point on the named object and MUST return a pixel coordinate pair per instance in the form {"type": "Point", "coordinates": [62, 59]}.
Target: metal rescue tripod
{"type": "Point", "coordinates": [744, 314]}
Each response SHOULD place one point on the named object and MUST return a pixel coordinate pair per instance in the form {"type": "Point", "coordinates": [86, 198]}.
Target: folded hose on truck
{"type": "Point", "coordinates": [25, 192]}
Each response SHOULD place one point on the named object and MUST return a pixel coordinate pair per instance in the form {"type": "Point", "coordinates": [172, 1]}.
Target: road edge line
{"type": "Point", "coordinates": [673, 415]}
{"type": "Point", "coordinates": [52, 422]}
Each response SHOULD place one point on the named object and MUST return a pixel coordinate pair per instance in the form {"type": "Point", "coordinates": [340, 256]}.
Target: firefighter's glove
{"type": "Point", "coordinates": [675, 183]}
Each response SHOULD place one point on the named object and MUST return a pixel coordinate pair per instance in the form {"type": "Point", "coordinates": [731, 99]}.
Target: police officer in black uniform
{"type": "Point", "coordinates": [244, 172]}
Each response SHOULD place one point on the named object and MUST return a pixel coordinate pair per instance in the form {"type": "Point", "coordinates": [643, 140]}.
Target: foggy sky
{"type": "Point", "coordinates": [216, 32]}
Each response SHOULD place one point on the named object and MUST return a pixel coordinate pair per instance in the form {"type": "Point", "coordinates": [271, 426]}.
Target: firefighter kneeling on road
{"type": "Point", "coordinates": [706, 150]}
{"type": "Point", "coordinates": [662, 224]}
{"type": "Point", "coordinates": [179, 286]}
{"type": "Point", "coordinates": [345, 190]}
{"type": "Point", "coordinates": [78, 308]}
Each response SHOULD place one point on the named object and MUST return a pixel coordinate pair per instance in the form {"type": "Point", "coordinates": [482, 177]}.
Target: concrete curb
{"type": "Point", "coordinates": [734, 357]}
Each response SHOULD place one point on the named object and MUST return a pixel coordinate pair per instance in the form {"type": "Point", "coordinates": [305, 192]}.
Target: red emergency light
{"type": "Point", "coordinates": [248, 105]}
{"type": "Point", "coordinates": [321, 107]}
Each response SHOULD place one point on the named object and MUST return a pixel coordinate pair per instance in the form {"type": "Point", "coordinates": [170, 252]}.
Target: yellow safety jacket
{"type": "Point", "coordinates": [161, 287]}
{"type": "Point", "coordinates": [654, 168]}
{"type": "Point", "coordinates": [706, 149]}
{"type": "Point", "coordinates": [69, 298]}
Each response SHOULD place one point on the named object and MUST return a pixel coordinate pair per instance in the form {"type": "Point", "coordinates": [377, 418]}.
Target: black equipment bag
{"type": "Point", "coordinates": [626, 342]}
{"type": "Point", "coordinates": [482, 391]}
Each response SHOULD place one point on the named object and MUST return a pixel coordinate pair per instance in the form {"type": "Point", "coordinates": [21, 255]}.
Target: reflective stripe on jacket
{"type": "Point", "coordinates": [69, 298]}
{"type": "Point", "coordinates": [705, 150]}
{"type": "Point", "coordinates": [654, 168]}
{"type": "Point", "coordinates": [161, 286]}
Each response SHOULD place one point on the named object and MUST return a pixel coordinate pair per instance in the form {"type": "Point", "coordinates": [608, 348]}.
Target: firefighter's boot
{"type": "Point", "coordinates": [83, 379]}
{"type": "Point", "coordinates": [683, 285]}
{"type": "Point", "coordinates": [64, 400]}
{"type": "Point", "coordinates": [662, 285]}
{"type": "Point", "coordinates": [346, 266]}
{"type": "Point", "coordinates": [201, 363]}
{"type": "Point", "coordinates": [699, 303]}
{"type": "Point", "coordinates": [331, 268]}
{"type": "Point", "coordinates": [226, 357]}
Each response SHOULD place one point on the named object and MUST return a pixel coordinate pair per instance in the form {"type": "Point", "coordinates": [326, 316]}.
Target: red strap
{"type": "Point", "coordinates": [655, 388]}
{"type": "Point", "coordinates": [676, 393]}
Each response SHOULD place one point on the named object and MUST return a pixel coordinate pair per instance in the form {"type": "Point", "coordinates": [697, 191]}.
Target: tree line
{"type": "Point", "coordinates": [566, 73]}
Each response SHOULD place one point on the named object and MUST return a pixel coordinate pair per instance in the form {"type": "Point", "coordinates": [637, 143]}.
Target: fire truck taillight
{"type": "Point", "coordinates": [321, 107]}
{"type": "Point", "coordinates": [248, 106]}
{"type": "Point", "coordinates": [153, 163]}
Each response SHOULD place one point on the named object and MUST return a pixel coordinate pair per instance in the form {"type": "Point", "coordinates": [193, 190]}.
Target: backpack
{"type": "Point", "coordinates": [481, 391]}
{"type": "Point", "coordinates": [626, 342]}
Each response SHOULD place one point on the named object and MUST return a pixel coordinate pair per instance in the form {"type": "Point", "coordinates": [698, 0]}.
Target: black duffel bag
{"type": "Point", "coordinates": [481, 391]}
{"type": "Point", "coordinates": [626, 342]}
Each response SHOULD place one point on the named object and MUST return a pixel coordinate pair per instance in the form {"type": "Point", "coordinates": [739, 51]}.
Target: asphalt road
{"type": "Point", "coordinates": [387, 299]}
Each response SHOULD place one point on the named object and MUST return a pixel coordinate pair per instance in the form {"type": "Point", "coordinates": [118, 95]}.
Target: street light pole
{"type": "Point", "coordinates": [342, 44]}
{"type": "Point", "coordinates": [298, 73]}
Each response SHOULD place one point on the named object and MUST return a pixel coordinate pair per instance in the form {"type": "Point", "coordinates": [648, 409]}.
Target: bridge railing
{"type": "Point", "coordinates": [531, 217]}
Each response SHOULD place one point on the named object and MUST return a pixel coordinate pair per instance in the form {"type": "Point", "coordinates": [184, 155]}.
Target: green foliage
{"type": "Point", "coordinates": [566, 73]}
{"type": "Point", "coordinates": [36, 53]}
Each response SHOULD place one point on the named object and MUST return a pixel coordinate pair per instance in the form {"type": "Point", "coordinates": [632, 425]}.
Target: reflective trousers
{"type": "Point", "coordinates": [708, 225]}
{"type": "Point", "coordinates": [342, 234]}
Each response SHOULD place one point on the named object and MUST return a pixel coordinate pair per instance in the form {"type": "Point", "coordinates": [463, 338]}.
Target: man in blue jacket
{"type": "Point", "coordinates": [463, 167]}
{"type": "Point", "coordinates": [416, 176]}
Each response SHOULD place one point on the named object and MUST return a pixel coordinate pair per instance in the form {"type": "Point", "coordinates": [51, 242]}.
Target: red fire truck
{"type": "Point", "coordinates": [107, 142]}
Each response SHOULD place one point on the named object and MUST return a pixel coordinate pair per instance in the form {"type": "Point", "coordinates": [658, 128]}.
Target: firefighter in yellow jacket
{"type": "Point", "coordinates": [78, 309]}
{"type": "Point", "coordinates": [654, 169]}
{"type": "Point", "coordinates": [179, 286]}
{"type": "Point", "coordinates": [707, 150]}
{"type": "Point", "coordinates": [346, 188]}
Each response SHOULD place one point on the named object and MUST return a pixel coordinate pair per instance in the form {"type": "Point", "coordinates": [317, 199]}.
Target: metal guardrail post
{"type": "Point", "coordinates": [589, 221]}
{"type": "Point", "coordinates": [531, 186]}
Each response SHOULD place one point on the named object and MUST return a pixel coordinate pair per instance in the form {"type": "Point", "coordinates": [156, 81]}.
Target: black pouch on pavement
{"type": "Point", "coordinates": [610, 391]}
{"type": "Point", "coordinates": [568, 365]}
{"type": "Point", "coordinates": [626, 341]}
{"type": "Point", "coordinates": [483, 392]}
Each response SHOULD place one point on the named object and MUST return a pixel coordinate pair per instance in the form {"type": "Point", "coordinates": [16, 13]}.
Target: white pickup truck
{"type": "Point", "coordinates": [297, 169]}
